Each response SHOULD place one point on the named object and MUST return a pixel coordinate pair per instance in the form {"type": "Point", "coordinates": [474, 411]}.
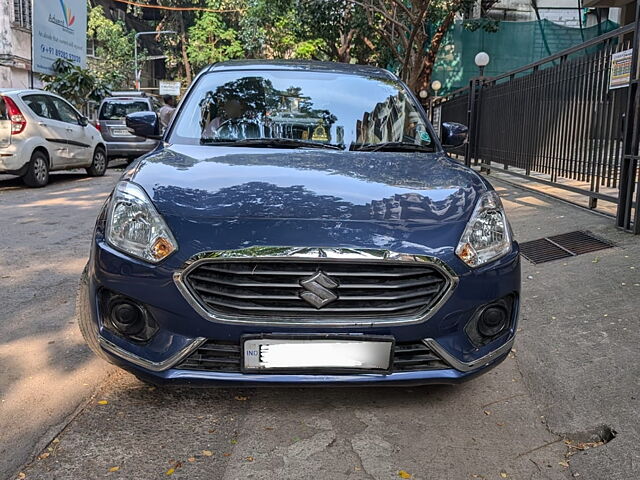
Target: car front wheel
{"type": "Point", "coordinates": [99, 163]}
{"type": "Point", "coordinates": [38, 171]}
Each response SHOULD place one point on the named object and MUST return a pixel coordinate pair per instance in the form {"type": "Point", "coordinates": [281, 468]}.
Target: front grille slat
{"type": "Point", "coordinates": [255, 272]}
{"type": "Point", "coordinates": [275, 288]}
{"type": "Point", "coordinates": [211, 301]}
{"type": "Point", "coordinates": [219, 356]}
{"type": "Point", "coordinates": [243, 284]}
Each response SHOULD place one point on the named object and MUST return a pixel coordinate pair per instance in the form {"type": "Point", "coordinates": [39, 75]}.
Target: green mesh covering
{"type": "Point", "coordinates": [514, 45]}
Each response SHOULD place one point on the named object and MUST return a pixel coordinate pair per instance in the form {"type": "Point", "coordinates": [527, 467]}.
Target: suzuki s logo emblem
{"type": "Point", "coordinates": [318, 289]}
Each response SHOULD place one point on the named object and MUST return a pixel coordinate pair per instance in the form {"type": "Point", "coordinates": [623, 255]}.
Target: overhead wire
{"type": "Point", "coordinates": [180, 9]}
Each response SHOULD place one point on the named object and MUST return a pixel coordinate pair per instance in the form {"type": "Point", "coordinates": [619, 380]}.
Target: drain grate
{"type": "Point", "coordinates": [562, 246]}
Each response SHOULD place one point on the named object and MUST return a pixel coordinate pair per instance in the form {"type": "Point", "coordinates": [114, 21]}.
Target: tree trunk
{"type": "Point", "coordinates": [183, 48]}
{"type": "Point", "coordinates": [424, 78]}
{"type": "Point", "coordinates": [344, 48]}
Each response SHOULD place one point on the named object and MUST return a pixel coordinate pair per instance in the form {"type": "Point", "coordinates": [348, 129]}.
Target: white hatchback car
{"type": "Point", "coordinates": [41, 132]}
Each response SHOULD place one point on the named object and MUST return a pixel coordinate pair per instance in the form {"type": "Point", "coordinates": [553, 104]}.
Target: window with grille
{"type": "Point", "coordinates": [22, 13]}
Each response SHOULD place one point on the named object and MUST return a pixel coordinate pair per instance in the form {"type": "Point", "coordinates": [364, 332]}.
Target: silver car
{"type": "Point", "coordinates": [121, 143]}
{"type": "Point", "coordinates": [41, 132]}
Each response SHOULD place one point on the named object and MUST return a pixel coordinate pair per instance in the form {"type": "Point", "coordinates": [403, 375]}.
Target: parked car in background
{"type": "Point", "coordinates": [121, 143]}
{"type": "Point", "coordinates": [301, 223]}
{"type": "Point", "coordinates": [41, 132]}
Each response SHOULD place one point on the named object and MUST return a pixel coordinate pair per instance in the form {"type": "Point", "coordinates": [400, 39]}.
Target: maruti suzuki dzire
{"type": "Point", "coordinates": [300, 223]}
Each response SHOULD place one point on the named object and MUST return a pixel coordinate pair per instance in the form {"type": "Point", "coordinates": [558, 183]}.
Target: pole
{"type": "Point", "coordinates": [136, 73]}
{"type": "Point", "coordinates": [135, 61]}
{"type": "Point", "coordinates": [32, 47]}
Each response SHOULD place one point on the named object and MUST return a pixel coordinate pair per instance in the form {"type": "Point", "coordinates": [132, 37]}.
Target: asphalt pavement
{"type": "Point", "coordinates": [548, 412]}
{"type": "Point", "coordinates": [46, 372]}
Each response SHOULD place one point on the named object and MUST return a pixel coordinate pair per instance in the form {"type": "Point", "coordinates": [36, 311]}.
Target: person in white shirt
{"type": "Point", "coordinates": [166, 111]}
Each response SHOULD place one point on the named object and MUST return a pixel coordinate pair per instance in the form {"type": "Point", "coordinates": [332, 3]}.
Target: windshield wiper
{"type": "Point", "coordinates": [391, 147]}
{"type": "Point", "coordinates": [268, 142]}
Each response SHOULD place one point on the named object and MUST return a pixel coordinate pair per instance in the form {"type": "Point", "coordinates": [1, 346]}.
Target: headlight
{"type": "Point", "coordinates": [135, 227]}
{"type": "Point", "coordinates": [487, 236]}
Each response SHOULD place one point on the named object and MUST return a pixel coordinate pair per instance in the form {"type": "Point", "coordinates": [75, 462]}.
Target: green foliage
{"type": "Point", "coordinates": [489, 25]}
{"type": "Point", "coordinates": [212, 40]}
{"type": "Point", "coordinates": [271, 29]}
{"type": "Point", "coordinates": [113, 49]}
{"type": "Point", "coordinates": [398, 34]}
{"type": "Point", "coordinates": [310, 29]}
{"type": "Point", "coordinates": [74, 83]}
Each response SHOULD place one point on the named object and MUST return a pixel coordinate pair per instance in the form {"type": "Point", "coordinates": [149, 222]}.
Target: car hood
{"type": "Point", "coordinates": [226, 198]}
{"type": "Point", "coordinates": [233, 182]}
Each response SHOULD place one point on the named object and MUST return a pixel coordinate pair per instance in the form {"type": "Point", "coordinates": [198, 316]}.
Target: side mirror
{"type": "Point", "coordinates": [83, 121]}
{"type": "Point", "coordinates": [453, 134]}
{"type": "Point", "coordinates": [144, 124]}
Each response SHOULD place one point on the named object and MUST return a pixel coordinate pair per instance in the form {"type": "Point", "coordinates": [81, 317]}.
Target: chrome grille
{"type": "Point", "coordinates": [344, 289]}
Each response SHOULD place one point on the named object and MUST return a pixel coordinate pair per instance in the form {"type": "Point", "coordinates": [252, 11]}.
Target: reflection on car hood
{"type": "Point", "coordinates": [200, 182]}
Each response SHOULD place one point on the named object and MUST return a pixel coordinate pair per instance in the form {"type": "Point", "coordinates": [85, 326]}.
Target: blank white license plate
{"type": "Point", "coordinates": [120, 132]}
{"type": "Point", "coordinates": [289, 354]}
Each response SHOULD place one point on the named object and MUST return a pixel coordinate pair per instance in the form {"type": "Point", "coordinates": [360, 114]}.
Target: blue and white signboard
{"type": "Point", "coordinates": [59, 31]}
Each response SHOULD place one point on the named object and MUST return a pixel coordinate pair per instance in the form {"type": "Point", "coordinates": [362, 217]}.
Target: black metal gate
{"type": "Point", "coordinates": [626, 218]}
{"type": "Point", "coordinates": [557, 121]}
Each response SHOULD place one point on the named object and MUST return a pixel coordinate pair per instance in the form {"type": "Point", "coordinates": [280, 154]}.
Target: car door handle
{"type": "Point", "coordinates": [69, 129]}
{"type": "Point", "coordinates": [42, 124]}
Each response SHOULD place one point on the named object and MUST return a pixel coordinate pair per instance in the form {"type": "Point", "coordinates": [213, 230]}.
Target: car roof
{"type": "Point", "coordinates": [126, 97]}
{"type": "Point", "coordinates": [307, 65]}
{"type": "Point", "coordinates": [23, 90]}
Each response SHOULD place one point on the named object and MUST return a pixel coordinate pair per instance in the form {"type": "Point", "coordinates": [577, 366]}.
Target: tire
{"type": "Point", "coordinates": [38, 171]}
{"type": "Point", "coordinates": [98, 164]}
{"type": "Point", "coordinates": [88, 327]}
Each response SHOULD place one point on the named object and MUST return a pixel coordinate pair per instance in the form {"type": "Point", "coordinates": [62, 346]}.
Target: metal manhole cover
{"type": "Point", "coordinates": [562, 246]}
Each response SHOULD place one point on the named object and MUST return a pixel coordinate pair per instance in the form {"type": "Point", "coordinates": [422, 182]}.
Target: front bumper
{"type": "Point", "coordinates": [162, 373]}
{"type": "Point", "coordinates": [182, 329]}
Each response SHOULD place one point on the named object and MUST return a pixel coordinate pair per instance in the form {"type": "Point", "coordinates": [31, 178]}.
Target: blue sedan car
{"type": "Point", "coordinates": [300, 223]}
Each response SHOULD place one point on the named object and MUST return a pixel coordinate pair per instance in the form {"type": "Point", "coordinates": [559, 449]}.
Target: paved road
{"type": "Point", "coordinates": [573, 372]}
{"type": "Point", "coordinates": [45, 369]}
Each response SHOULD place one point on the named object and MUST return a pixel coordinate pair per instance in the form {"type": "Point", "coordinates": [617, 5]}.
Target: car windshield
{"type": "Point", "coordinates": [326, 108]}
{"type": "Point", "coordinates": [118, 109]}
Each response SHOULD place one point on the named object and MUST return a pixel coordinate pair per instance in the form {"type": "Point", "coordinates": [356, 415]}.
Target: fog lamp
{"type": "Point", "coordinates": [492, 321]}
{"type": "Point", "coordinates": [127, 318]}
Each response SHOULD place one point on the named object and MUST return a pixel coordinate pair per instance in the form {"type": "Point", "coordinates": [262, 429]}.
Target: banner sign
{"type": "Point", "coordinates": [620, 69]}
{"type": "Point", "coordinates": [169, 88]}
{"type": "Point", "coordinates": [59, 31]}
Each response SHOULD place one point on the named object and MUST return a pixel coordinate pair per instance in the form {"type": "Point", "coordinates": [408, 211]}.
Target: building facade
{"type": "Point", "coordinates": [568, 13]}
{"type": "Point", "coordinates": [15, 44]}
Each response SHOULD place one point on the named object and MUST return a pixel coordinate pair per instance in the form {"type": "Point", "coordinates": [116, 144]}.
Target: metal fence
{"type": "Point", "coordinates": [555, 121]}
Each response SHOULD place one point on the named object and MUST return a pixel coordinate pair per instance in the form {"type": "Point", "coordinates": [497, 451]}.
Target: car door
{"type": "Point", "coordinates": [49, 129]}
{"type": "Point", "coordinates": [78, 145]}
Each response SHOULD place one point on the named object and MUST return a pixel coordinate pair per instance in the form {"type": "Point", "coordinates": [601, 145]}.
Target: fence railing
{"type": "Point", "coordinates": [555, 121]}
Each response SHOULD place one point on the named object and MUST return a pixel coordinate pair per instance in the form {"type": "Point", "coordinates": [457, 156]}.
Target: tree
{"type": "Point", "coordinates": [273, 29]}
{"type": "Point", "coordinates": [78, 85]}
{"type": "Point", "coordinates": [113, 62]}
{"type": "Point", "coordinates": [312, 29]}
{"type": "Point", "coordinates": [412, 32]}
{"type": "Point", "coordinates": [212, 38]}
{"type": "Point", "coordinates": [342, 27]}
